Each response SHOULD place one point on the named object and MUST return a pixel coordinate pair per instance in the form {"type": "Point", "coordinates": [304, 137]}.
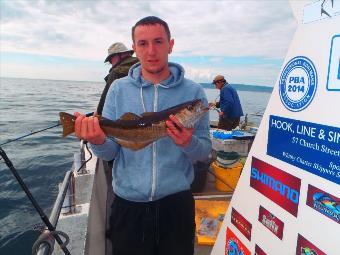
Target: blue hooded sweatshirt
{"type": "Point", "coordinates": [161, 168]}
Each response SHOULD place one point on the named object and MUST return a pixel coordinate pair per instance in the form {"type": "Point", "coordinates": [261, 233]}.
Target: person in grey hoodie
{"type": "Point", "coordinates": [154, 211]}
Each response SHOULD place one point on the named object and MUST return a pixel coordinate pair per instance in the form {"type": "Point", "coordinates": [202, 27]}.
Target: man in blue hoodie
{"type": "Point", "coordinates": [154, 211]}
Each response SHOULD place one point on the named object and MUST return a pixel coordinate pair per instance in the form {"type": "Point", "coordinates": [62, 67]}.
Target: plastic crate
{"type": "Point", "coordinates": [242, 147]}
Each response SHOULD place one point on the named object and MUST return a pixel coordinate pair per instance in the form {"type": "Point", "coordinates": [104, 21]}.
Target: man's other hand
{"type": "Point", "coordinates": [87, 128]}
{"type": "Point", "coordinates": [179, 134]}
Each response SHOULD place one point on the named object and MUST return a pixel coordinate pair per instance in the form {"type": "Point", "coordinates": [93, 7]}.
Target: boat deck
{"type": "Point", "coordinates": [209, 192]}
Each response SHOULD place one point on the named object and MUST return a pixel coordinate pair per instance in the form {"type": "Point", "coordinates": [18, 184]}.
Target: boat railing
{"type": "Point", "coordinates": [45, 249]}
{"type": "Point", "coordinates": [64, 203]}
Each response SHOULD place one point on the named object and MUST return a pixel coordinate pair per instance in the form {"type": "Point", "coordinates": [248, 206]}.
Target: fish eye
{"type": "Point", "coordinates": [190, 107]}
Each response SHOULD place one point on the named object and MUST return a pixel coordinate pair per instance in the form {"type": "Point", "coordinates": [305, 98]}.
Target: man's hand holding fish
{"type": "Point", "coordinates": [87, 128]}
{"type": "Point", "coordinates": [179, 134]}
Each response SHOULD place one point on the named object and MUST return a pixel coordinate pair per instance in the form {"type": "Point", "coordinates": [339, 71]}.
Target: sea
{"type": "Point", "coordinates": [29, 105]}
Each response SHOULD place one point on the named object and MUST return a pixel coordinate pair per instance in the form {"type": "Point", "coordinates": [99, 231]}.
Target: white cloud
{"type": "Point", "coordinates": [256, 74]}
{"type": "Point", "coordinates": [85, 29]}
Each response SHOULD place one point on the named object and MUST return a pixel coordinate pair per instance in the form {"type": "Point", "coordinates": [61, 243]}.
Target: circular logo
{"type": "Point", "coordinates": [298, 83]}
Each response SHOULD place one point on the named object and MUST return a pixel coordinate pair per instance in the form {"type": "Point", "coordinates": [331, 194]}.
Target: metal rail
{"type": "Point", "coordinates": [66, 191]}
{"type": "Point", "coordinates": [54, 217]}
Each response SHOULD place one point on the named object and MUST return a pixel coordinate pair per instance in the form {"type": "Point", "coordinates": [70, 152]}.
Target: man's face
{"type": "Point", "coordinates": [219, 84]}
{"type": "Point", "coordinates": [152, 47]}
{"type": "Point", "coordinates": [114, 59]}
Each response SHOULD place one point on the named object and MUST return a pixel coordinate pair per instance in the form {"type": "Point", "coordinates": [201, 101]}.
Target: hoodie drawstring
{"type": "Point", "coordinates": [142, 99]}
{"type": "Point", "coordinates": [141, 94]}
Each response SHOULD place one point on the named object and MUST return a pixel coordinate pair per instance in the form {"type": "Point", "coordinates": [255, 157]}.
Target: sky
{"type": "Point", "coordinates": [244, 40]}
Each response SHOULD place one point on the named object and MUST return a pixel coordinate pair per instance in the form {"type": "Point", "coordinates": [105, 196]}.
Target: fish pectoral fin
{"type": "Point", "coordinates": [129, 116]}
{"type": "Point", "coordinates": [135, 146]}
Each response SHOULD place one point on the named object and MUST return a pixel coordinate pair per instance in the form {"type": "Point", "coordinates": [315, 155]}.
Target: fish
{"type": "Point", "coordinates": [134, 131]}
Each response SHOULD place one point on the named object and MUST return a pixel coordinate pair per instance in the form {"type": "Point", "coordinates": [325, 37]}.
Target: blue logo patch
{"type": "Point", "coordinates": [298, 83]}
{"type": "Point", "coordinates": [333, 77]}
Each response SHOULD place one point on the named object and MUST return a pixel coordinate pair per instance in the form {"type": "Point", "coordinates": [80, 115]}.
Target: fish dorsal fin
{"type": "Point", "coordinates": [129, 116]}
{"type": "Point", "coordinates": [145, 114]}
{"type": "Point", "coordinates": [135, 146]}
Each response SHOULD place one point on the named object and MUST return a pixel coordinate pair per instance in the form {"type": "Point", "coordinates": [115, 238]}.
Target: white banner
{"type": "Point", "coordinates": [287, 200]}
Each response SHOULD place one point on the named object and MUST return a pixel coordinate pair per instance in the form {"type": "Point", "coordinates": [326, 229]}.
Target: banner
{"type": "Point", "coordinates": [287, 200]}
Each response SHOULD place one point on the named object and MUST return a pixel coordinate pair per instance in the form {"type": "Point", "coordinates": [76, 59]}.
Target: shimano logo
{"type": "Point", "coordinates": [276, 185]}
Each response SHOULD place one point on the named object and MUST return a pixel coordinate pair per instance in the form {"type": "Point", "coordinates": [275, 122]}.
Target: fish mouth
{"type": "Point", "coordinates": [191, 118]}
{"type": "Point", "coordinates": [200, 108]}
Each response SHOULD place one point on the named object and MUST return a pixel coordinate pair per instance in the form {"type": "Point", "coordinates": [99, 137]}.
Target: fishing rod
{"type": "Point", "coordinates": [31, 133]}
{"type": "Point", "coordinates": [35, 204]}
{"type": "Point", "coordinates": [43, 216]}
{"type": "Point", "coordinates": [38, 131]}
{"type": "Point", "coordinates": [258, 113]}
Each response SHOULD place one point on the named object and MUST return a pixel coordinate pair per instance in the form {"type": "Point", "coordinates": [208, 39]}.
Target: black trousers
{"type": "Point", "coordinates": [163, 227]}
{"type": "Point", "coordinates": [228, 124]}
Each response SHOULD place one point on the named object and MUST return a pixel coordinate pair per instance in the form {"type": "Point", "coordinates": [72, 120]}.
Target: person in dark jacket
{"type": "Point", "coordinates": [230, 105]}
{"type": "Point", "coordinates": [121, 60]}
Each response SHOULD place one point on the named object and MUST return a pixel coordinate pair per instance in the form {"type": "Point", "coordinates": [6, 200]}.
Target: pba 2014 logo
{"type": "Point", "coordinates": [298, 83]}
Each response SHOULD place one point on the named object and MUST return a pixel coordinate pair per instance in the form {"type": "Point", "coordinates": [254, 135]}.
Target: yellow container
{"type": "Point", "coordinates": [229, 175]}
{"type": "Point", "coordinates": [243, 160]}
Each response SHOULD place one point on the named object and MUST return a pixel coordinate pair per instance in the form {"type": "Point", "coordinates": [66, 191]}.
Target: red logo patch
{"type": "Point", "coordinates": [280, 187]}
{"type": "Point", "coordinates": [234, 245]}
{"type": "Point", "coordinates": [259, 251]}
{"type": "Point", "coordinates": [305, 247]}
{"type": "Point", "coordinates": [271, 222]}
{"type": "Point", "coordinates": [324, 203]}
{"type": "Point", "coordinates": [241, 223]}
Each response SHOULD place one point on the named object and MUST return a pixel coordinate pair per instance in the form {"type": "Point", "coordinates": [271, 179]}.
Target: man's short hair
{"type": "Point", "coordinates": [151, 20]}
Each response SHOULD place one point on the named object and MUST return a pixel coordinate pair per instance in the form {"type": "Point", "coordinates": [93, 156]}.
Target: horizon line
{"type": "Point", "coordinates": [7, 77]}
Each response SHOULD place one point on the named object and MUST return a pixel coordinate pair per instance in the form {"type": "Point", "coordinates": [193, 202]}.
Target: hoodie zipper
{"type": "Point", "coordinates": [154, 150]}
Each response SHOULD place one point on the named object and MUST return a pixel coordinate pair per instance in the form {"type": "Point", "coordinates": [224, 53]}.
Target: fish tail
{"type": "Point", "coordinates": [67, 121]}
